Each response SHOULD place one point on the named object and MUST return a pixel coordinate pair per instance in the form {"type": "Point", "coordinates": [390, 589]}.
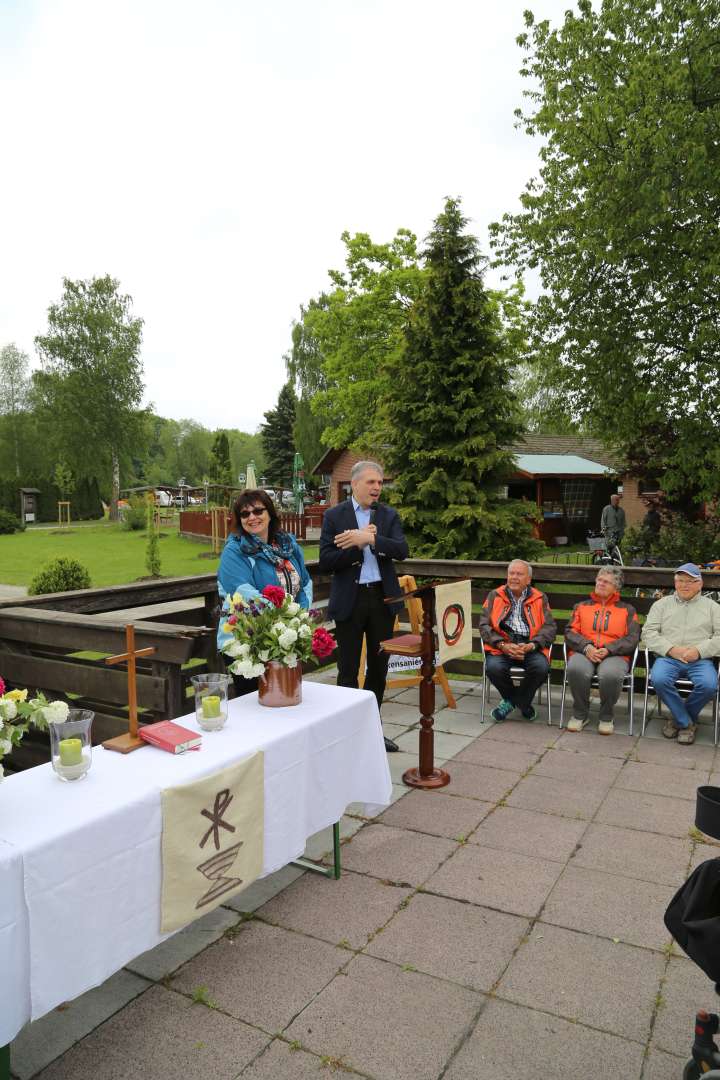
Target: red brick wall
{"type": "Point", "coordinates": [632, 502]}
{"type": "Point", "coordinates": [341, 475]}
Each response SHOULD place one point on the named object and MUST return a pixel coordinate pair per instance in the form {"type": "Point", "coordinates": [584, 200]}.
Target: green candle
{"type": "Point", "coordinates": [211, 706]}
{"type": "Point", "coordinates": [70, 751]}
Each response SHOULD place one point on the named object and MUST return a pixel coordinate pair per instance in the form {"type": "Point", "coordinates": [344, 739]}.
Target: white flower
{"type": "Point", "coordinates": [257, 670]}
{"type": "Point", "coordinates": [292, 608]}
{"type": "Point", "coordinates": [287, 639]}
{"type": "Point", "coordinates": [56, 712]}
{"type": "Point", "coordinates": [5, 746]}
{"type": "Point", "coordinates": [305, 631]}
{"type": "Point", "coordinates": [9, 708]}
{"type": "Point", "coordinates": [279, 628]}
{"type": "Point", "coordinates": [294, 623]}
{"type": "Point", "coordinates": [236, 649]}
{"type": "Point", "coordinates": [291, 660]}
{"type": "Point", "coordinates": [264, 655]}
{"type": "Point", "coordinates": [244, 668]}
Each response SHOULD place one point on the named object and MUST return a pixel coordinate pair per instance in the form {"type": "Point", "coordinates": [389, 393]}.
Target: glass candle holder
{"type": "Point", "coordinates": [211, 700]}
{"type": "Point", "coordinates": [71, 746]}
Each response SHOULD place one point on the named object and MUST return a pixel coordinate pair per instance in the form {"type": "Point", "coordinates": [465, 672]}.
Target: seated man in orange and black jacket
{"type": "Point", "coordinates": [517, 629]}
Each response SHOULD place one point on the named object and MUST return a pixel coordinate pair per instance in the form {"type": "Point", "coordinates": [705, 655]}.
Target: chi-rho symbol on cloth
{"type": "Point", "coordinates": [212, 840]}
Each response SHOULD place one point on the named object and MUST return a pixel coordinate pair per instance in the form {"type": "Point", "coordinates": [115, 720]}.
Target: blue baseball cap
{"type": "Point", "coordinates": [690, 569]}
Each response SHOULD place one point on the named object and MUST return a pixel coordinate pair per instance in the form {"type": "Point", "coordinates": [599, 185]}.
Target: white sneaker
{"type": "Point", "coordinates": [576, 724]}
{"type": "Point", "coordinates": [606, 727]}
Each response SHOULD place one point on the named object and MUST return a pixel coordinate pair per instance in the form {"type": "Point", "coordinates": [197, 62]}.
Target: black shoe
{"type": "Point", "coordinates": [390, 746]}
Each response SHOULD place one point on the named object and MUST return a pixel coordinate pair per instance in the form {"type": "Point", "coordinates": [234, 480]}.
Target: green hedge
{"type": "Point", "coordinates": [85, 501]}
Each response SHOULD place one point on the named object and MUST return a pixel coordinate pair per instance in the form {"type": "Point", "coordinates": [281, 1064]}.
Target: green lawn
{"type": "Point", "coordinates": [111, 555]}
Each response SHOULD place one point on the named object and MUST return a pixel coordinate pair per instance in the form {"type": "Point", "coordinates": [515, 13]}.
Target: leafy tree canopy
{"type": "Point", "coordinates": [351, 334]}
{"type": "Point", "coordinates": [91, 383]}
{"type": "Point", "coordinates": [622, 224]}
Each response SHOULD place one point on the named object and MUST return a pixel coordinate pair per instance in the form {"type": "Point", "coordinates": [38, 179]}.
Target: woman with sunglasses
{"type": "Point", "coordinates": [258, 553]}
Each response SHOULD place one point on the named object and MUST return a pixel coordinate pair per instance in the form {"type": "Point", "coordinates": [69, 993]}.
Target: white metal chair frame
{"type": "Point", "coordinates": [517, 674]}
{"type": "Point", "coordinates": [683, 686]}
{"type": "Point", "coordinates": [628, 687]}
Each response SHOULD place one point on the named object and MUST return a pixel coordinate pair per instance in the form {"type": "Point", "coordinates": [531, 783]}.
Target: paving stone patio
{"type": "Point", "coordinates": [509, 925]}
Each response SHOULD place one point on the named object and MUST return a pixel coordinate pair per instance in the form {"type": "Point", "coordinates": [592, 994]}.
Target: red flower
{"type": "Point", "coordinates": [2, 687]}
{"type": "Point", "coordinates": [232, 619]}
{"type": "Point", "coordinates": [274, 594]}
{"type": "Point", "coordinates": [323, 643]}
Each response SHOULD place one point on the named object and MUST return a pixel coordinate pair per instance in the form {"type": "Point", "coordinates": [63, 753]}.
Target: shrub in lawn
{"type": "Point", "coordinates": [9, 523]}
{"type": "Point", "coordinates": [133, 515]}
{"type": "Point", "coordinates": [60, 575]}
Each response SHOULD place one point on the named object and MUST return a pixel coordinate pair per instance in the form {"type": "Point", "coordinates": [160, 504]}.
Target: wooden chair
{"type": "Point", "coordinates": [414, 609]}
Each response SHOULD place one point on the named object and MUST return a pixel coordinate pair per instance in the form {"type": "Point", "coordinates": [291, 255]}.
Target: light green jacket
{"type": "Point", "coordinates": [672, 622]}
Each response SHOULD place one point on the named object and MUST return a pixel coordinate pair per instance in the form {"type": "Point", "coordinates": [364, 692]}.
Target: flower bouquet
{"type": "Point", "coordinates": [272, 631]}
{"type": "Point", "coordinates": [17, 713]}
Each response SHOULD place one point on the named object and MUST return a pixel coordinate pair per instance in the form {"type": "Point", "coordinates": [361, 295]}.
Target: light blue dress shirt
{"type": "Point", "coordinates": [369, 571]}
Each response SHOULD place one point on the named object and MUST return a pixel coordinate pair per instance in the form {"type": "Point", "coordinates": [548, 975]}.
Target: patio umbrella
{"type": "Point", "coordinates": [250, 478]}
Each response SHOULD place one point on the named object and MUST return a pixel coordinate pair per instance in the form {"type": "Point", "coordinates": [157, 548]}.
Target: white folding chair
{"type": "Point", "coordinates": [517, 674]}
{"type": "Point", "coordinates": [684, 687]}
{"type": "Point", "coordinates": [628, 687]}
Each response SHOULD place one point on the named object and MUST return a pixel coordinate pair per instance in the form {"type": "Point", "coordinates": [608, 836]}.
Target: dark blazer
{"type": "Point", "coordinates": [345, 565]}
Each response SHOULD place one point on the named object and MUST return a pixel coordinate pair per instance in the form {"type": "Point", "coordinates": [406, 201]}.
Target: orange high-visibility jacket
{"type": "Point", "coordinates": [611, 625]}
{"type": "Point", "coordinates": [536, 612]}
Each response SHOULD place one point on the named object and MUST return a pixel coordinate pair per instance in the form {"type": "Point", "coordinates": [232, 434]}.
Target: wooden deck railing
{"type": "Point", "coordinates": [56, 643]}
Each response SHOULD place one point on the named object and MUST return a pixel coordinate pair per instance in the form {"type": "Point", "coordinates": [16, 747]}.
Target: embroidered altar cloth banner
{"type": "Point", "coordinates": [212, 840]}
{"type": "Point", "coordinates": [453, 614]}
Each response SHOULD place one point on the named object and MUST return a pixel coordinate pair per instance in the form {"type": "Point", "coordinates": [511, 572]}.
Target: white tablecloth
{"type": "Point", "coordinates": [80, 868]}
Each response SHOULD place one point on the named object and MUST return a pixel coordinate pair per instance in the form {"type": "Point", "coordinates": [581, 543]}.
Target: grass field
{"type": "Point", "coordinates": [111, 555]}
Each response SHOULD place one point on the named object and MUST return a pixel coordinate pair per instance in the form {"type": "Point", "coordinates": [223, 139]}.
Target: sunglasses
{"type": "Point", "coordinates": [254, 511]}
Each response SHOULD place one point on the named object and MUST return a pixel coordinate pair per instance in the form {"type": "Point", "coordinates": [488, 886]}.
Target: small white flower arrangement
{"type": "Point", "coordinates": [18, 713]}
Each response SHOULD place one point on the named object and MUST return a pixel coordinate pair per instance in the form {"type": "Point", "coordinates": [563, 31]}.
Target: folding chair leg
{"type": "Point", "coordinates": [549, 697]}
{"type": "Point", "coordinates": [562, 699]}
{"type": "Point", "coordinates": [484, 696]}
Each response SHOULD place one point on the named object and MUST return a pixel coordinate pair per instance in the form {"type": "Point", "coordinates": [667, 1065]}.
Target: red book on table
{"type": "Point", "coordinates": [171, 737]}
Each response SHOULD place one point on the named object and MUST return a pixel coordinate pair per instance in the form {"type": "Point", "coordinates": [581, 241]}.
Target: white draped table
{"type": "Point", "coordinates": [80, 866]}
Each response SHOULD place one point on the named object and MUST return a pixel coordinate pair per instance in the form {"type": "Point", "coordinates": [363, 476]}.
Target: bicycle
{"type": "Point", "coordinates": [604, 551]}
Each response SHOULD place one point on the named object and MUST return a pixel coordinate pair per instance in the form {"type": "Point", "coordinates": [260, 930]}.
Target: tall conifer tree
{"type": "Point", "coordinates": [277, 437]}
{"type": "Point", "coordinates": [452, 413]}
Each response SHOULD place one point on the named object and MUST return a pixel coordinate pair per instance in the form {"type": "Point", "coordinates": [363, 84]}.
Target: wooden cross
{"type": "Point", "coordinates": [125, 744]}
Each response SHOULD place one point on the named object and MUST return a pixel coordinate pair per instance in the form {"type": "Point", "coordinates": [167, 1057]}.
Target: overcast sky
{"type": "Point", "coordinates": [210, 154]}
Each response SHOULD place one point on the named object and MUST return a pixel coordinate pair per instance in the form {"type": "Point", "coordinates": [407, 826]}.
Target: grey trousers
{"type": "Point", "coordinates": [611, 671]}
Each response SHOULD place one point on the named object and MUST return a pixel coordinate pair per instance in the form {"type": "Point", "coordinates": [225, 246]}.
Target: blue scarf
{"type": "Point", "coordinates": [276, 553]}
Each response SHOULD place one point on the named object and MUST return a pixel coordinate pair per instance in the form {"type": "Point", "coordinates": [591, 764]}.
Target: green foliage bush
{"type": "Point", "coordinates": [60, 575]}
{"type": "Point", "coordinates": [9, 523]}
{"type": "Point", "coordinates": [682, 541]}
{"type": "Point", "coordinates": [133, 515]}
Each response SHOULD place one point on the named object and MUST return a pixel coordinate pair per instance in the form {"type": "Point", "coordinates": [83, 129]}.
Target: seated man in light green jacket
{"type": "Point", "coordinates": [683, 630]}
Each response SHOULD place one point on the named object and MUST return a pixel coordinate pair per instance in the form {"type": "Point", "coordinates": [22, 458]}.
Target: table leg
{"type": "Point", "coordinates": [5, 1062]}
{"type": "Point", "coordinates": [307, 864]}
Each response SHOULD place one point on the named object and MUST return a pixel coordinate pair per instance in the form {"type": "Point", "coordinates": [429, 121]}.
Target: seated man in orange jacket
{"type": "Point", "coordinates": [517, 629]}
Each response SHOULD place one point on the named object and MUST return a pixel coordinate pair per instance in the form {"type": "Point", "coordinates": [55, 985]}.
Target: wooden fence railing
{"type": "Point", "coordinates": [57, 643]}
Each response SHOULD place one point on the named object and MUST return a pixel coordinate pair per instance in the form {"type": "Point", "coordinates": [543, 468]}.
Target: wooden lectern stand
{"type": "Point", "coordinates": [422, 645]}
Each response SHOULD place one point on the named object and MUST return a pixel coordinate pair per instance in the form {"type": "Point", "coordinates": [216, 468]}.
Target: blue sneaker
{"type": "Point", "coordinates": [502, 711]}
{"type": "Point", "coordinates": [530, 713]}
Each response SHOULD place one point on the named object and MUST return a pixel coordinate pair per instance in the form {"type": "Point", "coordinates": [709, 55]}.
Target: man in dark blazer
{"type": "Point", "coordinates": [359, 540]}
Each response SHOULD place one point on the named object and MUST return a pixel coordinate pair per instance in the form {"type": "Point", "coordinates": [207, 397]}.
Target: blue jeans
{"type": "Point", "coordinates": [704, 678]}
